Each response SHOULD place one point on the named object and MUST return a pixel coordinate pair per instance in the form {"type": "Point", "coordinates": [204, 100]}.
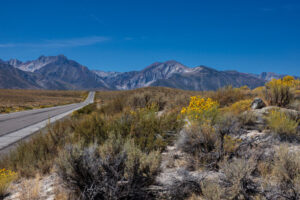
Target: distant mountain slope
{"type": "Point", "coordinates": [104, 74]}
{"type": "Point", "coordinates": [267, 76]}
{"type": "Point", "coordinates": [70, 75]}
{"type": "Point", "coordinates": [13, 78]}
{"type": "Point", "coordinates": [58, 72]}
{"type": "Point", "coordinates": [34, 65]}
{"type": "Point", "coordinates": [208, 79]}
{"type": "Point", "coordinates": [147, 76]}
{"type": "Point", "coordinates": [175, 75]}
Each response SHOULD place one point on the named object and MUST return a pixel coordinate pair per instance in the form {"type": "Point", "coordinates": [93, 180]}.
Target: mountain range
{"type": "Point", "coordinates": [59, 72]}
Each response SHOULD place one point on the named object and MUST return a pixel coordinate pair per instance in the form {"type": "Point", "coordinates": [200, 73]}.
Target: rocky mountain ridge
{"type": "Point", "coordinates": [59, 72]}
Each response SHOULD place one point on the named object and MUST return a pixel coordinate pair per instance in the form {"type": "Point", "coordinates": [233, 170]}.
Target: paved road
{"type": "Point", "coordinates": [18, 125]}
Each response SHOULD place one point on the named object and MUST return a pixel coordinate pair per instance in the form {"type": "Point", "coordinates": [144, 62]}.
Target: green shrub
{"type": "Point", "coordinates": [85, 110]}
{"type": "Point", "coordinates": [150, 132]}
{"type": "Point", "coordinates": [281, 124]}
{"type": "Point", "coordinates": [90, 129]}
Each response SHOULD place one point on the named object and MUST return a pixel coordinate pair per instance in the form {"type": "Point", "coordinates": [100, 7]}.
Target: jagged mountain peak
{"type": "Point", "coordinates": [40, 62]}
{"type": "Point", "coordinates": [14, 62]}
{"type": "Point", "coordinates": [165, 69]}
{"type": "Point", "coordinates": [169, 63]}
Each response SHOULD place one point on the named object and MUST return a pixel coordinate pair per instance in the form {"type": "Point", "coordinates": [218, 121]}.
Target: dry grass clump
{"type": "Point", "coordinates": [211, 190]}
{"type": "Point", "coordinates": [30, 189]}
{"type": "Point", "coordinates": [231, 144]}
{"type": "Point", "coordinates": [13, 100]}
{"type": "Point", "coordinates": [229, 95]}
{"type": "Point", "coordinates": [286, 174]}
{"type": "Point", "coordinates": [146, 99]}
{"type": "Point", "coordinates": [295, 105]}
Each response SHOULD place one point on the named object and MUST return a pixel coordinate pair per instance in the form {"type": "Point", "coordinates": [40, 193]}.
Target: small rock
{"type": "Point", "coordinates": [258, 103]}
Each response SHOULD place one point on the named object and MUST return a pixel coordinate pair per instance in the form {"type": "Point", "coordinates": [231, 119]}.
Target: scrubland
{"type": "Point", "coordinates": [12, 100]}
{"type": "Point", "coordinates": [162, 143]}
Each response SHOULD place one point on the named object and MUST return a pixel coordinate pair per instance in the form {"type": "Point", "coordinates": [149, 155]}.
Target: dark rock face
{"type": "Point", "coordinates": [258, 103]}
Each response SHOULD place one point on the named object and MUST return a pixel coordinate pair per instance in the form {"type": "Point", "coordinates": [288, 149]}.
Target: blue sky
{"type": "Point", "coordinates": [244, 35]}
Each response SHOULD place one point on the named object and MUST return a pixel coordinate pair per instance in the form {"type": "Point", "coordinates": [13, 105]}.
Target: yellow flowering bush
{"type": "Point", "coordinates": [239, 106]}
{"type": "Point", "coordinates": [6, 177]}
{"type": "Point", "coordinates": [278, 91]}
{"type": "Point", "coordinates": [201, 109]}
{"type": "Point", "coordinates": [285, 81]}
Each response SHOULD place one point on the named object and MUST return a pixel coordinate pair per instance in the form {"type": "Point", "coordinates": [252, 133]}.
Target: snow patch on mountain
{"type": "Point", "coordinates": [31, 66]}
{"type": "Point", "coordinates": [104, 74]}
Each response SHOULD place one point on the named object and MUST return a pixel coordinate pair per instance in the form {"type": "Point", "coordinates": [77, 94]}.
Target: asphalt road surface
{"type": "Point", "coordinates": [18, 125]}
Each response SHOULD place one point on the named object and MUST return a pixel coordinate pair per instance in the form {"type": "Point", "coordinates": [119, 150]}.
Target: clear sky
{"type": "Point", "coordinates": [244, 35]}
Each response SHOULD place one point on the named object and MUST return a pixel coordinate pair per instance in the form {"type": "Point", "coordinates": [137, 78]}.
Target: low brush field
{"type": "Point", "coordinates": [163, 143]}
{"type": "Point", "coordinates": [13, 100]}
